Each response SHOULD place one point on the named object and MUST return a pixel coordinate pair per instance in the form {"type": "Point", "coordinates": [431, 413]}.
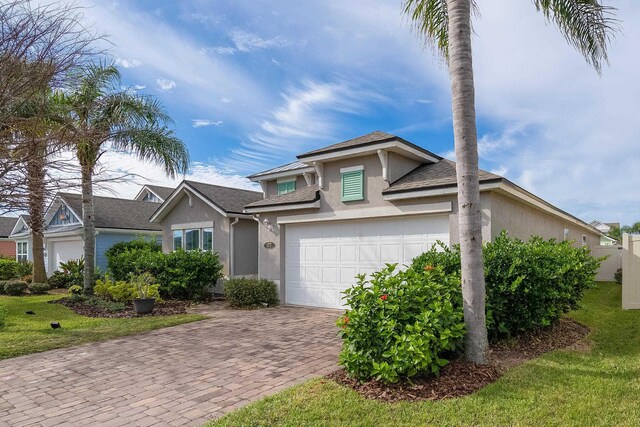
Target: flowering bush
{"type": "Point", "coordinates": [529, 284]}
{"type": "Point", "coordinates": [401, 323]}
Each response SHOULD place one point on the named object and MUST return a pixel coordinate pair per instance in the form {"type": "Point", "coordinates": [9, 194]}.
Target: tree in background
{"type": "Point", "coordinates": [446, 24]}
{"type": "Point", "coordinates": [616, 232]}
{"type": "Point", "coordinates": [101, 116]}
{"type": "Point", "coordinates": [39, 45]}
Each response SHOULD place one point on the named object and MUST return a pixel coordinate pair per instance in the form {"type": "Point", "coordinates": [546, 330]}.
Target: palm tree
{"type": "Point", "coordinates": [102, 116]}
{"type": "Point", "coordinates": [446, 24]}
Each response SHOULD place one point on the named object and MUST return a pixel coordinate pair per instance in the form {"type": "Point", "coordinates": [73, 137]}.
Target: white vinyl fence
{"type": "Point", "coordinates": [609, 266]}
{"type": "Point", "coordinates": [631, 271]}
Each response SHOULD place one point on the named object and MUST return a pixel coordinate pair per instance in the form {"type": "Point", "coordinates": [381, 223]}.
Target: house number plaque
{"type": "Point", "coordinates": [269, 245]}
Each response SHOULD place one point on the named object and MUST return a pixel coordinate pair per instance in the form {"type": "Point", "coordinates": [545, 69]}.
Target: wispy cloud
{"type": "Point", "coordinates": [244, 41]}
{"type": "Point", "coordinates": [196, 123]}
{"type": "Point", "coordinates": [127, 63]}
{"type": "Point", "coordinates": [165, 84]}
{"type": "Point", "coordinates": [308, 113]}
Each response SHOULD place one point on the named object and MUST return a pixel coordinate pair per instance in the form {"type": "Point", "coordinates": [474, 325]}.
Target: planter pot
{"type": "Point", "coordinates": [143, 305]}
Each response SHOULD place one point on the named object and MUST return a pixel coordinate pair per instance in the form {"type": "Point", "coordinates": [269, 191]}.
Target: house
{"type": "Point", "coordinates": [116, 220]}
{"type": "Point", "coordinates": [210, 217]}
{"type": "Point", "coordinates": [605, 228]}
{"type": "Point", "coordinates": [21, 235]}
{"type": "Point", "coordinates": [351, 207]}
{"type": "Point", "coordinates": [7, 245]}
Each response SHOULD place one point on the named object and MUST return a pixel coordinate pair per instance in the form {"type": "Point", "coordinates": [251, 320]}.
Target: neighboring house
{"type": "Point", "coordinates": [604, 228]}
{"type": "Point", "coordinates": [211, 217]}
{"type": "Point", "coordinates": [21, 235]}
{"type": "Point", "coordinates": [153, 193]}
{"type": "Point", "coordinates": [116, 220]}
{"type": "Point", "coordinates": [351, 207]}
{"type": "Point", "coordinates": [7, 245]}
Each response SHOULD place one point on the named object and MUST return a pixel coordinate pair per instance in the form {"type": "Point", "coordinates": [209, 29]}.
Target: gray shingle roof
{"type": "Point", "coordinates": [305, 195]}
{"type": "Point", "coordinates": [232, 200]}
{"type": "Point", "coordinates": [116, 213]}
{"type": "Point", "coordinates": [364, 140]}
{"type": "Point", "coordinates": [162, 192]}
{"type": "Point", "coordinates": [6, 225]}
{"type": "Point", "coordinates": [284, 168]}
{"type": "Point", "coordinates": [433, 175]}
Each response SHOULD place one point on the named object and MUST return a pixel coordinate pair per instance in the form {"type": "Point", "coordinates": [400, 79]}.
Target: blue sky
{"type": "Point", "coordinates": [251, 84]}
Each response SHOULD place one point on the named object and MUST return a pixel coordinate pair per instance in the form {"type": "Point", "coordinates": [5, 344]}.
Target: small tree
{"type": "Point", "coordinates": [101, 116]}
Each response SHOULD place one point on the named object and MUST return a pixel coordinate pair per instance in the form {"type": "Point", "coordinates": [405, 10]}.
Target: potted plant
{"type": "Point", "coordinates": [146, 293]}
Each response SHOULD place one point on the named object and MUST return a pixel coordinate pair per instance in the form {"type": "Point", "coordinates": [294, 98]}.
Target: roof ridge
{"type": "Point", "coordinates": [223, 186]}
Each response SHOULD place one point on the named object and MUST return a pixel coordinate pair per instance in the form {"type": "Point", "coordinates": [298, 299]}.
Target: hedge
{"type": "Point", "coordinates": [247, 292]}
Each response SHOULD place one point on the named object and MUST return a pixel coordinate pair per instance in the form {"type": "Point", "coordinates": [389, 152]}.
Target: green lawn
{"type": "Point", "coordinates": [600, 386]}
{"type": "Point", "coordinates": [24, 334]}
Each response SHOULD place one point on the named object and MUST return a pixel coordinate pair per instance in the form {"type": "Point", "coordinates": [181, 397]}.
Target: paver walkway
{"type": "Point", "coordinates": [183, 375]}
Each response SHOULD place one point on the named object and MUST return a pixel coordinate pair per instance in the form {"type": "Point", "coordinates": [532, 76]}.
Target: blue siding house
{"type": "Point", "coordinates": [116, 220]}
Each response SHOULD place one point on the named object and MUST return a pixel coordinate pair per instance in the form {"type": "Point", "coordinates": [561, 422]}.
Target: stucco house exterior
{"type": "Point", "coordinates": [7, 245]}
{"type": "Point", "coordinates": [116, 220]}
{"type": "Point", "coordinates": [604, 228]}
{"type": "Point", "coordinates": [196, 215]}
{"type": "Point", "coordinates": [351, 207]}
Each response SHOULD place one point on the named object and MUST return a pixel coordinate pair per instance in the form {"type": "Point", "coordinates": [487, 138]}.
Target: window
{"type": "Point", "coordinates": [177, 239]}
{"type": "Point", "coordinates": [192, 239]}
{"type": "Point", "coordinates": [352, 183]}
{"type": "Point", "coordinates": [22, 254]}
{"type": "Point", "coordinates": [286, 186]}
{"type": "Point", "coordinates": [207, 239]}
{"type": "Point", "coordinates": [584, 240]}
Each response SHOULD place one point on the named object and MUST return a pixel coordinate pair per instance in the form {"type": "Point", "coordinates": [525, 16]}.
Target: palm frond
{"type": "Point", "coordinates": [431, 21]}
{"type": "Point", "coordinates": [154, 144]}
{"type": "Point", "coordinates": [587, 25]}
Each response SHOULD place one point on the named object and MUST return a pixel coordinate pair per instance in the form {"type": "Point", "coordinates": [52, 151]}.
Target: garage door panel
{"type": "Point", "coordinates": [322, 259]}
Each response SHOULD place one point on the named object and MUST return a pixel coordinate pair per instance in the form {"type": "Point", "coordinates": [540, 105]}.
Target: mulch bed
{"type": "Point", "coordinates": [165, 308]}
{"type": "Point", "coordinates": [461, 378]}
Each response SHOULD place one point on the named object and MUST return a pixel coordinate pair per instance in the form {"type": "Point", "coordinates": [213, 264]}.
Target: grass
{"type": "Point", "coordinates": [596, 386]}
{"type": "Point", "coordinates": [24, 334]}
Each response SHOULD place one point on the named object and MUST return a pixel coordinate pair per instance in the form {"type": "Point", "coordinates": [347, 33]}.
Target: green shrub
{"type": "Point", "coordinates": [528, 284]}
{"type": "Point", "coordinates": [441, 255]}
{"type": "Point", "coordinates": [243, 292]}
{"type": "Point", "coordinates": [617, 276]}
{"type": "Point", "coordinates": [186, 275]}
{"type": "Point", "coordinates": [15, 287]}
{"type": "Point", "coordinates": [121, 290]}
{"type": "Point", "coordinates": [38, 288]}
{"type": "Point", "coordinates": [8, 269]}
{"type": "Point", "coordinates": [70, 273]}
{"type": "Point", "coordinates": [401, 323]}
{"type": "Point", "coordinates": [75, 290]}
{"type": "Point", "coordinates": [24, 268]}
{"type": "Point", "coordinates": [145, 285]}
{"type": "Point", "coordinates": [120, 267]}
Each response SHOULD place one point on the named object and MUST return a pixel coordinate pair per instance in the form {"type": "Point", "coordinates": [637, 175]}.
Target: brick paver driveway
{"type": "Point", "coordinates": [183, 375]}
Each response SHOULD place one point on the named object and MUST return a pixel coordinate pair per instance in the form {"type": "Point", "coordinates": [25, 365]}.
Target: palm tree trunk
{"type": "Point", "coordinates": [466, 149]}
{"type": "Point", "coordinates": [35, 183]}
{"type": "Point", "coordinates": [88, 219]}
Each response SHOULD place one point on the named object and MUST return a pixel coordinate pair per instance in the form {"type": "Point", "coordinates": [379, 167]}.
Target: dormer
{"type": "Point", "coordinates": [285, 179]}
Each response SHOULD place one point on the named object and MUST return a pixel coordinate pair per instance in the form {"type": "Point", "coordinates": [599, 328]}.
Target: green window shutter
{"type": "Point", "coordinates": [286, 187]}
{"type": "Point", "coordinates": [352, 186]}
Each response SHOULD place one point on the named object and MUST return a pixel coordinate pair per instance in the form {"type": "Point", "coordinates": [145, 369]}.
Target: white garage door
{"type": "Point", "coordinates": [322, 259]}
{"type": "Point", "coordinates": [65, 250]}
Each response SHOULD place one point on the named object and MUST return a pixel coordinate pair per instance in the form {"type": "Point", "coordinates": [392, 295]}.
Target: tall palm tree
{"type": "Point", "coordinates": [446, 24]}
{"type": "Point", "coordinates": [102, 116]}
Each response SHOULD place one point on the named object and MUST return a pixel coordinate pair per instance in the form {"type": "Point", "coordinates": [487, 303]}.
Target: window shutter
{"type": "Point", "coordinates": [352, 186]}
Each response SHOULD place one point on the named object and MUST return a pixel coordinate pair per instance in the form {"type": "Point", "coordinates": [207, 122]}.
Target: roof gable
{"type": "Point", "coordinates": [370, 142]}
{"type": "Point", "coordinates": [225, 200]}
{"type": "Point", "coordinates": [114, 213]}
{"type": "Point", "coordinates": [6, 225]}
{"type": "Point", "coordinates": [162, 193]}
